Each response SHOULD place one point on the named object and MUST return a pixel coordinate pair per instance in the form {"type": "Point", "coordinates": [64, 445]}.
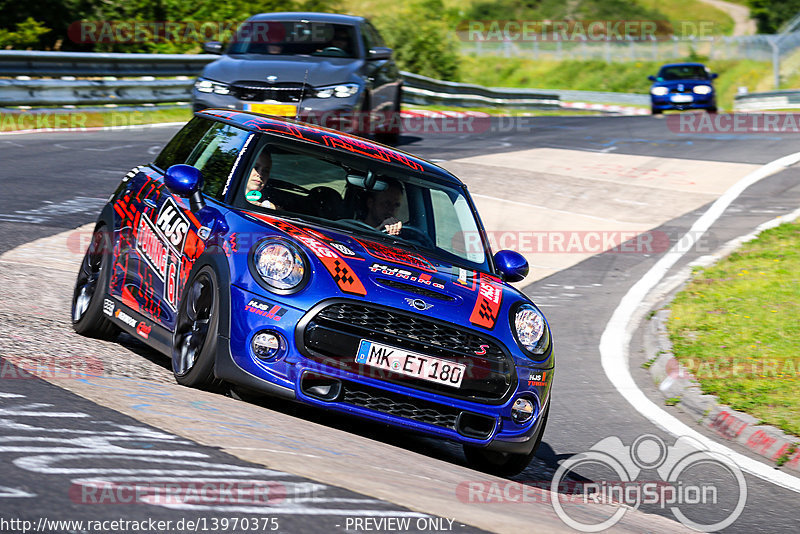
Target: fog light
{"type": "Point", "coordinates": [266, 345]}
{"type": "Point", "coordinates": [522, 411]}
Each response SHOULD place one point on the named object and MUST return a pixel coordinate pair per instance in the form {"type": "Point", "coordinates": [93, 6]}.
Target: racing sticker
{"type": "Point", "coordinates": [173, 224]}
{"type": "Point", "coordinates": [487, 305]}
{"type": "Point", "coordinates": [538, 379]}
{"type": "Point", "coordinates": [464, 278]}
{"type": "Point", "coordinates": [265, 309]}
{"type": "Point", "coordinates": [414, 276]}
{"type": "Point", "coordinates": [341, 272]}
{"type": "Point", "coordinates": [396, 255]}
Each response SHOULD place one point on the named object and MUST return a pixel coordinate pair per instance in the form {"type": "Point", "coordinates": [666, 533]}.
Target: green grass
{"type": "Point", "coordinates": [692, 16]}
{"type": "Point", "coordinates": [736, 328]}
{"type": "Point", "coordinates": [601, 76]}
{"type": "Point", "coordinates": [77, 118]}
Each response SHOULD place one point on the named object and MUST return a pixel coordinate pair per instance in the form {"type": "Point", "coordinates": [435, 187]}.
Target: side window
{"type": "Point", "coordinates": [179, 148]}
{"type": "Point", "coordinates": [374, 36]}
{"type": "Point", "coordinates": [366, 38]}
{"type": "Point", "coordinates": [455, 226]}
{"type": "Point", "coordinates": [216, 154]}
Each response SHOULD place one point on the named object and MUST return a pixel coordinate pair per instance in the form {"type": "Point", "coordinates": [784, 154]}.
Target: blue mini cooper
{"type": "Point", "coordinates": [286, 259]}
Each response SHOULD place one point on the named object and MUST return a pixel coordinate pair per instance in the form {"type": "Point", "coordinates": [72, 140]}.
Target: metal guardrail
{"type": "Point", "coordinates": [36, 63]}
{"type": "Point", "coordinates": [767, 100]}
{"type": "Point", "coordinates": [418, 89]}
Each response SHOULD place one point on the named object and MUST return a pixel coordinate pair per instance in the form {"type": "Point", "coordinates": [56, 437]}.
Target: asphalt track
{"type": "Point", "coordinates": [54, 182]}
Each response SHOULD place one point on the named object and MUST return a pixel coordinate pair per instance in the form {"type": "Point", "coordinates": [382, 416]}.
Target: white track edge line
{"type": "Point", "coordinates": [615, 341]}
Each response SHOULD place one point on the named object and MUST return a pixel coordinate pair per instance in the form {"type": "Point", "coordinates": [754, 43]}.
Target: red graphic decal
{"type": "Point", "coordinates": [143, 330]}
{"type": "Point", "coordinates": [341, 272]}
{"type": "Point", "coordinates": [538, 379]}
{"type": "Point", "coordinates": [371, 151]}
{"type": "Point", "coordinates": [482, 350]}
{"type": "Point", "coordinates": [487, 305]}
{"type": "Point", "coordinates": [397, 255]}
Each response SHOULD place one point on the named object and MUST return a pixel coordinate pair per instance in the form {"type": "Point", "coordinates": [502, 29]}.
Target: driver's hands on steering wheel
{"type": "Point", "coordinates": [391, 226]}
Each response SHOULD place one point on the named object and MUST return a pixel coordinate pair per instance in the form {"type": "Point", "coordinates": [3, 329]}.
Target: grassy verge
{"type": "Point", "coordinates": [601, 76]}
{"type": "Point", "coordinates": [77, 118]}
{"type": "Point", "coordinates": [736, 328]}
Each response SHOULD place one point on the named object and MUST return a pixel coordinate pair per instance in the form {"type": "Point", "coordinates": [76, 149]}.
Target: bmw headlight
{"type": "Point", "coordinates": [280, 265]}
{"type": "Point", "coordinates": [340, 91]}
{"type": "Point", "coordinates": [702, 89]}
{"type": "Point", "coordinates": [659, 91]}
{"type": "Point", "coordinates": [207, 86]}
{"type": "Point", "coordinates": [531, 330]}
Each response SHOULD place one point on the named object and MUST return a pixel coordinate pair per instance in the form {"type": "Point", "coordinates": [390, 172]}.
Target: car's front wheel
{"type": "Point", "coordinates": [194, 343]}
{"type": "Point", "coordinates": [654, 111]}
{"type": "Point", "coordinates": [504, 464]}
{"type": "Point", "coordinates": [88, 318]}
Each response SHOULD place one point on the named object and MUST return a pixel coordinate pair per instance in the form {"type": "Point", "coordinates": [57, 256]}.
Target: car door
{"type": "Point", "coordinates": [162, 238]}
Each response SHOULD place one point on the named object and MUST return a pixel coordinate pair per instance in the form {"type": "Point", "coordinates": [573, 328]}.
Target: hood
{"type": "Point", "coordinates": [689, 82]}
{"type": "Point", "coordinates": [403, 278]}
{"type": "Point", "coordinates": [321, 70]}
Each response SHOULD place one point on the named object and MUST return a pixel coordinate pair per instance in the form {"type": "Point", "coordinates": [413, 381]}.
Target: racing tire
{"type": "Point", "coordinates": [654, 111]}
{"type": "Point", "coordinates": [712, 110]}
{"type": "Point", "coordinates": [504, 464]}
{"type": "Point", "coordinates": [88, 318]}
{"type": "Point", "coordinates": [194, 343]}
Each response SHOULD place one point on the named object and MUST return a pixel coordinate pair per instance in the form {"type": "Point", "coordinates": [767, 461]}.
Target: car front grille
{"type": "Point", "coordinates": [331, 334]}
{"type": "Point", "coordinates": [255, 91]}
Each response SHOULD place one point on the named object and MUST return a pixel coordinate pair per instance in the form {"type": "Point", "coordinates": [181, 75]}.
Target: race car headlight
{"type": "Point", "coordinates": [702, 89]}
{"type": "Point", "coordinates": [659, 91]}
{"type": "Point", "coordinates": [531, 330]}
{"type": "Point", "coordinates": [281, 266]}
{"type": "Point", "coordinates": [207, 86]}
{"type": "Point", "coordinates": [339, 91]}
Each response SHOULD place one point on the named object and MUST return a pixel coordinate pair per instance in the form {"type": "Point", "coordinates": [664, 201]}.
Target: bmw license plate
{"type": "Point", "coordinates": [280, 110]}
{"type": "Point", "coordinates": [410, 363]}
{"type": "Point", "coordinates": [681, 98]}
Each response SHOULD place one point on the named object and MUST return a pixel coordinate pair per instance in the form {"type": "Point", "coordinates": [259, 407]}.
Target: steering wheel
{"type": "Point", "coordinates": [412, 233]}
{"type": "Point", "coordinates": [331, 51]}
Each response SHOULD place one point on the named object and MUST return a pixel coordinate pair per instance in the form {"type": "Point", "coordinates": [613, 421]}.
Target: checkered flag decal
{"type": "Point", "coordinates": [342, 273]}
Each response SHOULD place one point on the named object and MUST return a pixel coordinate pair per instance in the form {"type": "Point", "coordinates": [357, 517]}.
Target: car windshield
{"type": "Point", "coordinates": [294, 38]}
{"type": "Point", "coordinates": [364, 199]}
{"type": "Point", "coordinates": [683, 72]}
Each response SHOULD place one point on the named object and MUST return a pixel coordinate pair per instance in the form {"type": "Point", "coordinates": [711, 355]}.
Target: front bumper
{"type": "Point", "coordinates": [665, 103]}
{"type": "Point", "coordinates": [329, 385]}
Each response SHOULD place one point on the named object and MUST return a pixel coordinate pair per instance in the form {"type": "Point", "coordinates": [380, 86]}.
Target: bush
{"type": "Point", "coordinates": [422, 40]}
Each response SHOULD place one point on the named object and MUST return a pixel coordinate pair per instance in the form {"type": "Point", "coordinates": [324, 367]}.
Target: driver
{"type": "Point", "coordinates": [382, 206]}
{"type": "Point", "coordinates": [259, 175]}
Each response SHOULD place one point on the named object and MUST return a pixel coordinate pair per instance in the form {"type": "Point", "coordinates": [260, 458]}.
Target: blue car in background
{"type": "Point", "coordinates": [290, 260]}
{"type": "Point", "coordinates": [683, 86]}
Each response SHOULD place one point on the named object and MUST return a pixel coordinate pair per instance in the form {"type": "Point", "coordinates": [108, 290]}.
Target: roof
{"type": "Point", "coordinates": [328, 138]}
{"type": "Point", "coordinates": [683, 64]}
{"type": "Point", "coordinates": [311, 17]}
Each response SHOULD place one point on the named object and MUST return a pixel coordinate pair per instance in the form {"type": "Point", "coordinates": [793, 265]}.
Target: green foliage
{"type": "Point", "coordinates": [27, 34]}
{"type": "Point", "coordinates": [770, 15]}
{"type": "Point", "coordinates": [423, 43]}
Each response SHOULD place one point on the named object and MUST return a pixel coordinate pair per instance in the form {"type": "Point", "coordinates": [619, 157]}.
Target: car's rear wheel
{"type": "Point", "coordinates": [712, 110]}
{"type": "Point", "coordinates": [88, 318]}
{"type": "Point", "coordinates": [504, 464]}
{"type": "Point", "coordinates": [194, 343]}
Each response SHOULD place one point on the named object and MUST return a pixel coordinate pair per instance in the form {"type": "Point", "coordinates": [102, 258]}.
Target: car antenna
{"type": "Point", "coordinates": [302, 91]}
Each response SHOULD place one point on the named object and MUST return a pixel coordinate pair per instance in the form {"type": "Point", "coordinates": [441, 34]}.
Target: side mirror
{"type": "Point", "coordinates": [512, 265]}
{"type": "Point", "coordinates": [714, 75]}
{"type": "Point", "coordinates": [379, 52]}
{"type": "Point", "coordinates": [186, 181]}
{"type": "Point", "coordinates": [213, 47]}
{"type": "Point", "coordinates": [651, 78]}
